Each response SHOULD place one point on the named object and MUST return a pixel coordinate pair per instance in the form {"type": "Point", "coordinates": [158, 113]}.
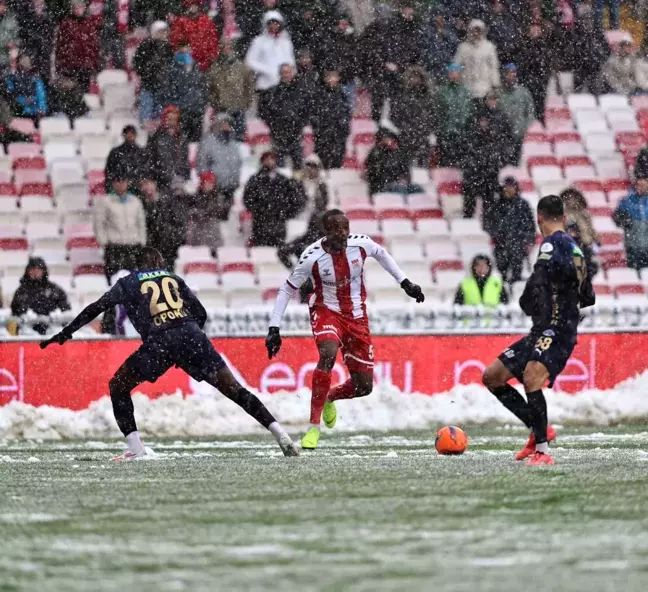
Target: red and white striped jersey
{"type": "Point", "coordinates": [338, 277]}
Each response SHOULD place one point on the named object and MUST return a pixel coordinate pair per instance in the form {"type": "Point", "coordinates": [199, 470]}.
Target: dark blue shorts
{"type": "Point", "coordinates": [552, 348]}
{"type": "Point", "coordinates": [186, 347]}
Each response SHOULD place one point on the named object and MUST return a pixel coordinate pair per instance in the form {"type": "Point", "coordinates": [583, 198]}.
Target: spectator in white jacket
{"type": "Point", "coordinates": [120, 227]}
{"type": "Point", "coordinates": [267, 53]}
{"type": "Point", "coordinates": [478, 57]}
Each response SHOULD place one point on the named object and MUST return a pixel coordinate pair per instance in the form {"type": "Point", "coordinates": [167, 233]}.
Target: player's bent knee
{"type": "Point", "coordinates": [327, 354]}
{"type": "Point", "coordinates": [363, 384]}
{"type": "Point", "coordinates": [491, 378]}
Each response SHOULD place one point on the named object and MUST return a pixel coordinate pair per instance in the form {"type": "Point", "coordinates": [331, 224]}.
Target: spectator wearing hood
{"type": "Point", "coordinates": [219, 153]}
{"type": "Point", "coordinates": [453, 108]}
{"type": "Point", "coordinates": [167, 152]}
{"type": "Point", "coordinates": [188, 93]}
{"type": "Point", "coordinates": [641, 164]}
{"type": "Point", "coordinates": [331, 121]}
{"type": "Point", "coordinates": [287, 114]}
{"type": "Point", "coordinates": [120, 227]}
{"type": "Point", "coordinates": [38, 294]}
{"type": "Point", "coordinates": [478, 57]}
{"type": "Point", "coordinates": [77, 45]}
{"type": "Point", "coordinates": [503, 30]}
{"type": "Point", "coordinates": [209, 208]}
{"type": "Point", "coordinates": [386, 167]}
{"type": "Point", "coordinates": [27, 90]}
{"type": "Point", "coordinates": [9, 34]}
{"type": "Point", "coordinates": [126, 159]}
{"type": "Point", "coordinates": [309, 82]}
{"type": "Point", "coordinates": [489, 142]}
{"type": "Point", "coordinates": [268, 52]}
{"type": "Point", "coordinates": [197, 30]}
{"type": "Point", "coordinates": [481, 288]}
{"type": "Point", "coordinates": [309, 28]}
{"type": "Point", "coordinates": [412, 114]}
{"type": "Point", "coordinates": [632, 216]}
{"type": "Point", "coordinates": [576, 211]}
{"type": "Point", "coordinates": [535, 65]}
{"type": "Point", "coordinates": [517, 104]}
{"type": "Point", "coordinates": [589, 51]}
{"type": "Point", "coordinates": [620, 68]}
{"type": "Point", "coordinates": [441, 45]}
{"type": "Point", "coordinates": [272, 199]}
{"type": "Point", "coordinates": [513, 231]}
{"type": "Point", "coordinates": [231, 88]}
{"type": "Point", "coordinates": [153, 62]}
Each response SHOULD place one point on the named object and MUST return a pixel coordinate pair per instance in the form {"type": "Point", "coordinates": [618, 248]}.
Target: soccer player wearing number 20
{"type": "Point", "coordinates": [553, 296]}
{"type": "Point", "coordinates": [170, 319]}
{"type": "Point", "coordinates": [337, 313]}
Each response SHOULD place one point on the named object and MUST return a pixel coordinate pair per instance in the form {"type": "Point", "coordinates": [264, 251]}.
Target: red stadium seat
{"type": "Point", "coordinates": [201, 267]}
{"type": "Point", "coordinates": [37, 189]}
{"type": "Point", "coordinates": [603, 290]}
{"type": "Point", "coordinates": [14, 244]}
{"type": "Point", "coordinates": [29, 162]}
{"type": "Point", "coordinates": [565, 137]}
{"type": "Point", "coordinates": [392, 213]}
{"type": "Point", "coordinates": [616, 184]}
{"type": "Point", "coordinates": [447, 265]}
{"type": "Point", "coordinates": [8, 189]}
{"type": "Point", "coordinates": [575, 161]}
{"type": "Point", "coordinates": [270, 294]}
{"type": "Point", "coordinates": [600, 211]}
{"type": "Point", "coordinates": [558, 113]}
{"type": "Point", "coordinates": [629, 289]}
{"type": "Point", "coordinates": [534, 161]}
{"type": "Point", "coordinates": [431, 213]}
{"type": "Point", "coordinates": [450, 188]}
{"type": "Point", "coordinates": [537, 137]}
{"type": "Point", "coordinates": [82, 242]}
{"type": "Point", "coordinates": [241, 267]}
{"type": "Point", "coordinates": [526, 185]}
{"type": "Point", "coordinates": [588, 185]}
{"type": "Point", "coordinates": [362, 214]}
{"type": "Point", "coordinates": [89, 269]}
{"type": "Point", "coordinates": [629, 141]}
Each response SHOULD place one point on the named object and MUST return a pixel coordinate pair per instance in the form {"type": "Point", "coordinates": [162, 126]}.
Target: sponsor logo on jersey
{"type": "Point", "coordinates": [546, 248]}
{"type": "Point", "coordinates": [326, 272]}
{"type": "Point", "coordinates": [151, 275]}
{"type": "Point", "coordinates": [355, 263]}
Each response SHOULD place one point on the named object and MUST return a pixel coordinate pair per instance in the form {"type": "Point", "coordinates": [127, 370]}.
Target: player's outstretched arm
{"type": "Point", "coordinates": [413, 290]}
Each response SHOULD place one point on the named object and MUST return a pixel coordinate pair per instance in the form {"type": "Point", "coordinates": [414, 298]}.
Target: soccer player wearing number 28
{"type": "Point", "coordinates": [170, 319]}
{"type": "Point", "coordinates": [337, 313]}
{"type": "Point", "coordinates": [553, 296]}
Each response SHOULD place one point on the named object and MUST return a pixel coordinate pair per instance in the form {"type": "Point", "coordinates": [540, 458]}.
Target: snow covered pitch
{"type": "Point", "coordinates": [365, 512]}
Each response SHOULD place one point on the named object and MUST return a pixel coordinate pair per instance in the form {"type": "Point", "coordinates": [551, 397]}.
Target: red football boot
{"type": "Point", "coordinates": [539, 459]}
{"type": "Point", "coordinates": [529, 448]}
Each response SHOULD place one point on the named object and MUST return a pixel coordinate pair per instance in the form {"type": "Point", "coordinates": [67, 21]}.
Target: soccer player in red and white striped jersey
{"type": "Point", "coordinates": [338, 314]}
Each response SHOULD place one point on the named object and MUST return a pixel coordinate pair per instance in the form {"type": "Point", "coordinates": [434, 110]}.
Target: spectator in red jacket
{"type": "Point", "coordinates": [77, 45]}
{"type": "Point", "coordinates": [199, 31]}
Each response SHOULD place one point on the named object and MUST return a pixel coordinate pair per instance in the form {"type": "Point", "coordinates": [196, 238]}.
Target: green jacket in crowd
{"type": "Point", "coordinates": [517, 103]}
{"type": "Point", "coordinates": [453, 107]}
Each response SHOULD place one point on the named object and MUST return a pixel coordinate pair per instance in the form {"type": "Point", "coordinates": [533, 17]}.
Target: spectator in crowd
{"type": "Point", "coordinates": [481, 287]}
{"type": "Point", "coordinates": [576, 211]}
{"type": "Point", "coordinates": [517, 104]}
{"type": "Point", "coordinates": [614, 13]}
{"type": "Point", "coordinates": [340, 52]}
{"type": "Point", "coordinates": [632, 215]}
{"type": "Point", "coordinates": [77, 45]}
{"type": "Point", "coordinates": [231, 88]}
{"type": "Point", "coordinates": [287, 115]}
{"type": "Point", "coordinates": [197, 30]}
{"type": "Point", "coordinates": [488, 148]}
{"type": "Point", "coordinates": [619, 70]}
{"type": "Point", "coordinates": [38, 294]}
{"type": "Point", "coordinates": [309, 28]}
{"type": "Point", "coordinates": [9, 34]}
{"type": "Point", "coordinates": [331, 122]}
{"type": "Point", "coordinates": [209, 208]}
{"type": "Point", "coordinates": [405, 41]}
{"type": "Point", "coordinates": [167, 152]}
{"type": "Point", "coordinates": [412, 113]}
{"type": "Point", "coordinates": [166, 217]}
{"type": "Point", "coordinates": [309, 82]}
{"type": "Point", "coordinates": [8, 135]}
{"type": "Point", "coordinates": [641, 67]}
{"type": "Point", "coordinates": [453, 109]}
{"type": "Point", "coordinates": [513, 231]}
{"type": "Point", "coordinates": [591, 261]}
{"type": "Point", "coordinates": [478, 57]}
{"type": "Point", "coordinates": [534, 61]}
{"type": "Point", "coordinates": [641, 164]}
{"type": "Point", "coordinates": [220, 155]}
{"type": "Point", "coordinates": [27, 90]}
{"type": "Point", "coordinates": [589, 51]}
{"type": "Point", "coordinates": [120, 227]}
{"type": "Point", "coordinates": [316, 204]}
{"type": "Point", "coordinates": [272, 199]}
{"type": "Point", "coordinates": [267, 53]}
{"type": "Point", "coordinates": [128, 158]}
{"type": "Point", "coordinates": [440, 46]}
{"type": "Point", "coordinates": [188, 93]}
{"type": "Point", "coordinates": [387, 169]}
{"type": "Point", "coordinates": [153, 62]}
{"type": "Point", "coordinates": [66, 98]}
{"type": "Point", "coordinates": [115, 26]}
{"type": "Point", "coordinates": [37, 36]}
{"type": "Point", "coordinates": [503, 31]}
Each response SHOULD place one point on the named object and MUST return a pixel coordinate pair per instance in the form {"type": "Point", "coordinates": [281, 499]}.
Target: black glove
{"type": "Point", "coordinates": [59, 338]}
{"type": "Point", "coordinates": [413, 290]}
{"type": "Point", "coordinates": [273, 342]}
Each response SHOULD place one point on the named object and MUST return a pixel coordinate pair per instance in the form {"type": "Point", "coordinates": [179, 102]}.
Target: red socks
{"type": "Point", "coordinates": [345, 390]}
{"type": "Point", "coordinates": [321, 386]}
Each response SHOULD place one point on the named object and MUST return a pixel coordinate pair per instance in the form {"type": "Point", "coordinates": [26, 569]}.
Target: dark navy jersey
{"type": "Point", "coordinates": [559, 285]}
{"type": "Point", "coordinates": [155, 300]}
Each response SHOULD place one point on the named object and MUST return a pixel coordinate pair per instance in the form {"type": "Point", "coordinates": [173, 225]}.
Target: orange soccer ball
{"type": "Point", "coordinates": [451, 440]}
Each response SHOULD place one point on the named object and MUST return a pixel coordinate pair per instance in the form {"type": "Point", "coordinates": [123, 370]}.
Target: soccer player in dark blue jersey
{"type": "Point", "coordinates": [553, 296]}
{"type": "Point", "coordinates": [170, 318]}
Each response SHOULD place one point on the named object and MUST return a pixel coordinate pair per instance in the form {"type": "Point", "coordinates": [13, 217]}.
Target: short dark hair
{"type": "Point", "coordinates": [151, 257]}
{"type": "Point", "coordinates": [129, 129]}
{"type": "Point", "coordinates": [329, 214]}
{"type": "Point", "coordinates": [551, 206]}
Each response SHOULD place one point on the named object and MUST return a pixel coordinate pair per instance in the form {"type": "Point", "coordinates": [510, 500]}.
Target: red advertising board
{"type": "Point", "coordinates": [75, 375]}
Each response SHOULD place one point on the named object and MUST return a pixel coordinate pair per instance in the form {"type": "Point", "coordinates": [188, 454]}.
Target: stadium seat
{"type": "Point", "coordinates": [388, 200]}
{"type": "Point", "coordinates": [577, 172]}
{"type": "Point", "coordinates": [531, 149]}
{"type": "Point", "coordinates": [54, 126]}
{"type": "Point", "coordinates": [619, 276]}
{"type": "Point", "coordinates": [422, 201]}
{"type": "Point", "coordinates": [8, 286]}
{"type": "Point", "coordinates": [238, 275]}
{"type": "Point", "coordinates": [591, 123]}
{"type": "Point", "coordinates": [227, 255]}
{"type": "Point", "coordinates": [240, 296]}
{"type": "Point", "coordinates": [564, 149]}
{"type": "Point", "coordinates": [348, 190]}
{"type": "Point", "coordinates": [434, 227]}
{"type": "Point", "coordinates": [446, 175]}
{"type": "Point", "coordinates": [24, 125]}
{"type": "Point", "coordinates": [272, 277]}
{"type": "Point", "coordinates": [17, 150]}
{"type": "Point", "coordinates": [213, 298]}
{"type": "Point", "coordinates": [52, 256]}
{"type": "Point", "coordinates": [611, 102]}
{"type": "Point", "coordinates": [406, 249]}
{"type": "Point", "coordinates": [600, 143]}
{"type": "Point", "coordinates": [41, 230]}
{"type": "Point", "coordinates": [84, 283]}
{"type": "Point", "coordinates": [581, 102]}
{"type": "Point", "coordinates": [84, 251]}
{"type": "Point", "coordinates": [90, 126]}
{"type": "Point", "coordinates": [295, 228]}
{"type": "Point", "coordinates": [111, 76]}
{"type": "Point", "coordinates": [201, 280]}
{"type": "Point", "coordinates": [466, 228]}
{"type": "Point", "coordinates": [36, 203]}
{"type": "Point", "coordinates": [118, 98]}
{"type": "Point", "coordinates": [396, 222]}
{"type": "Point", "coordinates": [199, 254]}
{"type": "Point", "coordinates": [95, 147]}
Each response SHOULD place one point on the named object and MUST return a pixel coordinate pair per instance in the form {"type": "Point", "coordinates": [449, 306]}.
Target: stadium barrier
{"type": "Point", "coordinates": [75, 375]}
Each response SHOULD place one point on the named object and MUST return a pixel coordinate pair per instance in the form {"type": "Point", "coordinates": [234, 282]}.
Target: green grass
{"type": "Point", "coordinates": [363, 513]}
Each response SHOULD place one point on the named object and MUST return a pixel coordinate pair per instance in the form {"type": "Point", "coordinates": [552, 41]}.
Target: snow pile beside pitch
{"type": "Point", "coordinates": [209, 414]}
